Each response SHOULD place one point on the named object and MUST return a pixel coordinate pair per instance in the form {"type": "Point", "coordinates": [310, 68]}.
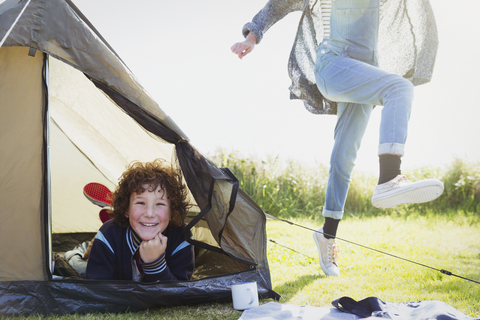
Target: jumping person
{"type": "Point", "coordinates": [341, 75]}
{"type": "Point", "coordinates": [145, 240]}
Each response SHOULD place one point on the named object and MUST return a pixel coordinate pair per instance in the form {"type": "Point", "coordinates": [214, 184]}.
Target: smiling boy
{"type": "Point", "coordinates": [145, 240]}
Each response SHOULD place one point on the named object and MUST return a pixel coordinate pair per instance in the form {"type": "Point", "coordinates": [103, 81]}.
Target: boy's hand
{"type": "Point", "coordinates": [241, 49]}
{"type": "Point", "coordinates": [151, 250]}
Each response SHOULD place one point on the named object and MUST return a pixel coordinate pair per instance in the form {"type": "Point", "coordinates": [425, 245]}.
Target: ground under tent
{"type": "Point", "coordinates": [73, 113]}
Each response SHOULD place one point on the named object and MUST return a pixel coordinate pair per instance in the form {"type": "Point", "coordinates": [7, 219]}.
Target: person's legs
{"type": "Point", "coordinates": [344, 79]}
{"type": "Point", "coordinates": [352, 122]}
{"type": "Point", "coordinates": [357, 86]}
{"type": "Point", "coordinates": [389, 167]}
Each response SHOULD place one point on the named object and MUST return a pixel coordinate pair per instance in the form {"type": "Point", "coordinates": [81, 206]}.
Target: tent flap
{"type": "Point", "coordinates": [21, 165]}
{"type": "Point", "coordinates": [74, 296]}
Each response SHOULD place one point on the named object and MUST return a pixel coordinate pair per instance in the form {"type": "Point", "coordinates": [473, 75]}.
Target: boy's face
{"type": "Point", "coordinates": [149, 213]}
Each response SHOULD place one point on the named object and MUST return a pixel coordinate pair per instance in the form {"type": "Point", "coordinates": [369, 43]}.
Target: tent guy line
{"type": "Point", "coordinates": [281, 245]}
{"type": "Point", "coordinates": [446, 272]}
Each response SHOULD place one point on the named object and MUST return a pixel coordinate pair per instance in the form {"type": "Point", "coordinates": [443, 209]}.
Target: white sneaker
{"type": "Point", "coordinates": [327, 253]}
{"type": "Point", "coordinates": [400, 190]}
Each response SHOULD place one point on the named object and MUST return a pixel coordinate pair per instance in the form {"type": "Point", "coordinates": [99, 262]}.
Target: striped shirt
{"type": "Point", "coordinates": [326, 9]}
{"type": "Point", "coordinates": [114, 252]}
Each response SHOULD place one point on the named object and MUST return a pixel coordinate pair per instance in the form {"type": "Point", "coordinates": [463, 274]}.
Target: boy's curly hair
{"type": "Point", "coordinates": [155, 174]}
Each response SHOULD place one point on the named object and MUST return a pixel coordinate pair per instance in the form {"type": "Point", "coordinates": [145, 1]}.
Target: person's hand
{"type": "Point", "coordinates": [241, 49]}
{"type": "Point", "coordinates": [151, 250]}
{"type": "Point", "coordinates": [86, 255]}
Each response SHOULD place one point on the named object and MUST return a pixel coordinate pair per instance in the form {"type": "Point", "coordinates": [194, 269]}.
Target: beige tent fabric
{"type": "Point", "coordinates": [98, 142]}
{"type": "Point", "coordinates": [107, 137]}
{"type": "Point", "coordinates": [72, 41]}
{"type": "Point", "coordinates": [70, 171]}
{"type": "Point", "coordinates": [21, 136]}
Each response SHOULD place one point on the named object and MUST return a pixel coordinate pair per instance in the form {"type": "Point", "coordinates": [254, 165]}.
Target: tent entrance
{"type": "Point", "coordinates": [86, 146]}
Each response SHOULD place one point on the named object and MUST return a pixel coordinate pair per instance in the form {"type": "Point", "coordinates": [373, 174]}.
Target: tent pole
{"type": "Point", "coordinates": [47, 195]}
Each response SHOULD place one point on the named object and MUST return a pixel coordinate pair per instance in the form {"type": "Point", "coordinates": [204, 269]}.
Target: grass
{"type": "Point", "coordinates": [289, 189]}
{"type": "Point", "coordinates": [449, 242]}
{"type": "Point", "coordinates": [443, 234]}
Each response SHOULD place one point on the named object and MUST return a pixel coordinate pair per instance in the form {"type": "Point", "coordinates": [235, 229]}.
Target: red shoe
{"type": "Point", "coordinates": [98, 194]}
{"type": "Point", "coordinates": [104, 215]}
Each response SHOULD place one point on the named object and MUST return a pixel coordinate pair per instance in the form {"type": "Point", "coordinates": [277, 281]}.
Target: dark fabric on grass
{"type": "Point", "coordinates": [420, 310]}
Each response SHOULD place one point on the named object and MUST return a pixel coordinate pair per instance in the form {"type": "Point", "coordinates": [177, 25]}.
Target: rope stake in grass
{"type": "Point", "coordinates": [446, 272]}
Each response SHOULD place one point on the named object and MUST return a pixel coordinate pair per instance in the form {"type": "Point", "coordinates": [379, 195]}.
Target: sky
{"type": "Point", "coordinates": [180, 52]}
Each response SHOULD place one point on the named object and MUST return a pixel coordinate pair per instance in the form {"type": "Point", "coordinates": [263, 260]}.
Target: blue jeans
{"type": "Point", "coordinates": [346, 72]}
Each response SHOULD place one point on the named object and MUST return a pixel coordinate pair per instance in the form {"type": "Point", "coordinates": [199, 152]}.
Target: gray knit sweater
{"type": "Point", "coordinates": [407, 43]}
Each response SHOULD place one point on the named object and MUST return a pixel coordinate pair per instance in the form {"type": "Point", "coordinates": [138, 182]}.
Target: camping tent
{"type": "Point", "coordinates": [73, 113]}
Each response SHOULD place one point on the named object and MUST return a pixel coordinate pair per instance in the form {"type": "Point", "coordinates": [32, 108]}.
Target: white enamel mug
{"type": "Point", "coordinates": [244, 295]}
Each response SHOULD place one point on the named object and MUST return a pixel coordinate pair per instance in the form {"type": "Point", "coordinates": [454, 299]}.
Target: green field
{"type": "Point", "coordinates": [443, 234]}
{"type": "Point", "coordinates": [443, 242]}
{"type": "Point", "coordinates": [450, 243]}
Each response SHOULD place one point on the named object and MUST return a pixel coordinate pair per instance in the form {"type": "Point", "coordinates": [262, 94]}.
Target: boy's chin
{"type": "Point", "coordinates": [147, 236]}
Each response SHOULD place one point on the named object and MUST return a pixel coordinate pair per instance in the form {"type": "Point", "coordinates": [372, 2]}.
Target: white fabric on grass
{"type": "Point", "coordinates": [278, 311]}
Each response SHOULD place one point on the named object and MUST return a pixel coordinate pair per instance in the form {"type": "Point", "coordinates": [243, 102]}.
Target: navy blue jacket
{"type": "Point", "coordinates": [114, 247]}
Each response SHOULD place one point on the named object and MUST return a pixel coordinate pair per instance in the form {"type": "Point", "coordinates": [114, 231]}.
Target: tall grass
{"type": "Point", "coordinates": [293, 190]}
